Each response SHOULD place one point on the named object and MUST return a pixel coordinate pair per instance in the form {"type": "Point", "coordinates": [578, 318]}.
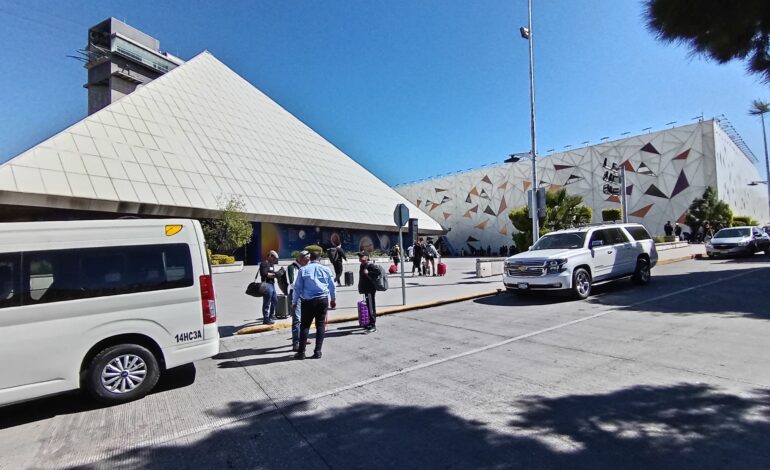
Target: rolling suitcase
{"type": "Point", "coordinates": [348, 278]}
{"type": "Point", "coordinates": [282, 309]}
{"type": "Point", "coordinates": [441, 268]}
{"type": "Point", "coordinates": [363, 314]}
{"type": "Point", "coordinates": [393, 269]}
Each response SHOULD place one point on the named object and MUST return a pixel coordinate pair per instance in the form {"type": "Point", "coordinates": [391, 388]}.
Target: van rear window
{"type": "Point", "coordinates": [59, 275]}
{"type": "Point", "coordinates": [639, 233]}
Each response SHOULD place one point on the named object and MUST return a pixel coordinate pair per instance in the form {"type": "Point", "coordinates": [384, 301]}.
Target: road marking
{"type": "Point", "coordinates": [279, 405]}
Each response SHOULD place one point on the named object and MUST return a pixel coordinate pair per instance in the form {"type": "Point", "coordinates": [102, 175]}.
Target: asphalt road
{"type": "Point", "coordinates": [671, 375]}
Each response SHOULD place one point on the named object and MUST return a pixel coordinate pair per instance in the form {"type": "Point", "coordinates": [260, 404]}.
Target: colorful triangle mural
{"type": "Point", "coordinates": [628, 166]}
{"type": "Point", "coordinates": [489, 211]}
{"type": "Point", "coordinates": [613, 198]}
{"type": "Point", "coordinates": [644, 170]}
{"type": "Point", "coordinates": [503, 230]}
{"type": "Point", "coordinates": [649, 148]}
{"type": "Point", "coordinates": [503, 186]}
{"type": "Point", "coordinates": [446, 215]}
{"type": "Point", "coordinates": [681, 184]}
{"type": "Point", "coordinates": [562, 167]}
{"type": "Point", "coordinates": [682, 218]}
{"type": "Point", "coordinates": [554, 187]}
{"type": "Point", "coordinates": [683, 155]}
{"type": "Point", "coordinates": [438, 190]}
{"type": "Point", "coordinates": [654, 191]}
{"type": "Point", "coordinates": [629, 189]}
{"type": "Point", "coordinates": [474, 191]}
{"type": "Point", "coordinates": [486, 179]}
{"type": "Point", "coordinates": [503, 206]}
{"type": "Point", "coordinates": [527, 185]}
{"type": "Point", "coordinates": [434, 205]}
{"type": "Point", "coordinates": [642, 212]}
{"type": "Point", "coordinates": [482, 225]}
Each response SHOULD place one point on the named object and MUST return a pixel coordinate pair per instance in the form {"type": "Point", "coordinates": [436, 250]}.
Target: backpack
{"type": "Point", "coordinates": [332, 253]}
{"type": "Point", "coordinates": [380, 282]}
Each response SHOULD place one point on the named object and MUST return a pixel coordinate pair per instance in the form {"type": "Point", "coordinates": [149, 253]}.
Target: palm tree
{"type": "Point", "coordinates": [759, 108]}
{"type": "Point", "coordinates": [718, 29]}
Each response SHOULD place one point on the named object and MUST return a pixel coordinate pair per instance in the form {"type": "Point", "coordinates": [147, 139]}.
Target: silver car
{"type": "Point", "coordinates": [738, 241]}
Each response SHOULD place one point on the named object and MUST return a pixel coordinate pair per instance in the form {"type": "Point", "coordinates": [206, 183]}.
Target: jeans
{"type": "Point", "coordinates": [296, 317]}
{"type": "Point", "coordinates": [313, 309]}
{"type": "Point", "coordinates": [269, 302]}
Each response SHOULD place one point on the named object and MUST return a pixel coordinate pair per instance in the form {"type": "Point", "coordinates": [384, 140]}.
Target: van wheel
{"type": "Point", "coordinates": [642, 272]}
{"type": "Point", "coordinates": [121, 373]}
{"type": "Point", "coordinates": [581, 283]}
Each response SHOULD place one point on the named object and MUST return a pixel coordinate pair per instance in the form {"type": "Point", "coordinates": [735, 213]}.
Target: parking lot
{"type": "Point", "coordinates": [670, 375]}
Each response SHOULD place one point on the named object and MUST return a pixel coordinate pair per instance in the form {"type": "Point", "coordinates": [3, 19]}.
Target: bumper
{"type": "Point", "coordinates": [188, 353]}
{"type": "Point", "coordinates": [546, 282]}
{"type": "Point", "coordinates": [733, 250]}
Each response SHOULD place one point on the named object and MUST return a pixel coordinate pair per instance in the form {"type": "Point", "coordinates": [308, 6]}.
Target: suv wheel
{"type": "Point", "coordinates": [581, 283]}
{"type": "Point", "coordinates": [642, 272]}
{"type": "Point", "coordinates": [121, 373]}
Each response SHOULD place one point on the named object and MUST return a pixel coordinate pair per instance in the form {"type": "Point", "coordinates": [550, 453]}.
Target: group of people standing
{"type": "Point", "coordinates": [423, 256]}
{"type": "Point", "coordinates": [312, 292]}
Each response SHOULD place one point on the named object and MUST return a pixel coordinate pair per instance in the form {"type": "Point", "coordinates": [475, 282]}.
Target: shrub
{"type": "Point", "coordinates": [222, 259]}
{"type": "Point", "coordinates": [231, 230]}
{"type": "Point", "coordinates": [664, 239]}
{"type": "Point", "coordinates": [739, 220]}
{"type": "Point", "coordinates": [611, 215]}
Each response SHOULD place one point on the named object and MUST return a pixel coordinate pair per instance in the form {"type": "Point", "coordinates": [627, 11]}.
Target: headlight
{"type": "Point", "coordinates": [555, 265]}
{"type": "Point", "coordinates": [709, 245]}
{"type": "Point", "coordinates": [744, 242]}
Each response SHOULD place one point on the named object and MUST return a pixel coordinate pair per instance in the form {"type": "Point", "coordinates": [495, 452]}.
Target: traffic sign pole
{"type": "Point", "coordinates": [400, 217]}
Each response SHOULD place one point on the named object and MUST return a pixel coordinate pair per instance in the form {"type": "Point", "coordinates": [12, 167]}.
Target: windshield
{"type": "Point", "coordinates": [733, 233]}
{"type": "Point", "coordinates": [560, 241]}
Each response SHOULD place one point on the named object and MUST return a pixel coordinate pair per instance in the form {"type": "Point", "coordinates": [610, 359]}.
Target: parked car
{"type": "Point", "coordinates": [574, 259]}
{"type": "Point", "coordinates": [738, 241]}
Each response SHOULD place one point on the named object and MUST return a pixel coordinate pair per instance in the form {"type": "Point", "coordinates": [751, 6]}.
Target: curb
{"type": "Point", "coordinates": [250, 330]}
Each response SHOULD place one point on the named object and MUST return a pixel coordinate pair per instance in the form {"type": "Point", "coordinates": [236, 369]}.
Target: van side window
{"type": "Point", "coordinates": [60, 275]}
{"type": "Point", "coordinates": [639, 233]}
{"type": "Point", "coordinates": [10, 276]}
{"type": "Point", "coordinates": [599, 236]}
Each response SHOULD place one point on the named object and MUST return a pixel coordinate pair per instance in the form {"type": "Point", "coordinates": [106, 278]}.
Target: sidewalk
{"type": "Point", "coordinates": [236, 310]}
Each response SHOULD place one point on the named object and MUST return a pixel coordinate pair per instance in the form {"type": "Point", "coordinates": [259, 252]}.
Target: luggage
{"type": "Point", "coordinates": [441, 268]}
{"type": "Point", "coordinates": [282, 309]}
{"type": "Point", "coordinates": [363, 314]}
{"type": "Point", "coordinates": [392, 269]}
{"type": "Point", "coordinates": [348, 278]}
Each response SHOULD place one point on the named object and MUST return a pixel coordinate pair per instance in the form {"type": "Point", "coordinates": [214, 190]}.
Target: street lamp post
{"type": "Point", "coordinates": [526, 33]}
{"type": "Point", "coordinates": [767, 163]}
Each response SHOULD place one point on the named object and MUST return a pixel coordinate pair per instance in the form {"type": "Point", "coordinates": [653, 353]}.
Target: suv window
{"type": "Point", "coordinates": [639, 233]}
{"type": "Point", "coordinates": [599, 235]}
{"type": "Point", "coordinates": [615, 236]}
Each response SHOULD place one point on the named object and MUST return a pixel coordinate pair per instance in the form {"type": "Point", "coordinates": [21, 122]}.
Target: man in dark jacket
{"type": "Point", "coordinates": [337, 256]}
{"type": "Point", "coordinates": [269, 271]}
{"type": "Point", "coordinates": [417, 258]}
{"type": "Point", "coordinates": [366, 275]}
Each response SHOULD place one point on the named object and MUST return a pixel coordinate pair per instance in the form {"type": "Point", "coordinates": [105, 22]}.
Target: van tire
{"type": "Point", "coordinates": [641, 274]}
{"type": "Point", "coordinates": [581, 283]}
{"type": "Point", "coordinates": [129, 366]}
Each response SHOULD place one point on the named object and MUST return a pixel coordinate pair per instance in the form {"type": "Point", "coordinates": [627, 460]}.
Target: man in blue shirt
{"type": "Point", "coordinates": [314, 288]}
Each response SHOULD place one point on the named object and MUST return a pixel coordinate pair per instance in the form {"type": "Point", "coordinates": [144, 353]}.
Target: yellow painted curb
{"type": "Point", "coordinates": [676, 260]}
{"type": "Point", "coordinates": [250, 330]}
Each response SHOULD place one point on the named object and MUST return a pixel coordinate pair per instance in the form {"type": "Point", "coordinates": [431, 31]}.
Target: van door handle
{"type": "Point", "coordinates": [609, 251]}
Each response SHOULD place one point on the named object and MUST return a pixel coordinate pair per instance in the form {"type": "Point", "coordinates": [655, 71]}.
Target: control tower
{"type": "Point", "coordinates": [119, 59]}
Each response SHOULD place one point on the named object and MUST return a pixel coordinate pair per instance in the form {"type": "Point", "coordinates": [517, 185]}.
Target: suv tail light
{"type": "Point", "coordinates": [207, 300]}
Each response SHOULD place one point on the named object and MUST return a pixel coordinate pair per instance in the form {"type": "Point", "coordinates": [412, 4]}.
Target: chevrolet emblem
{"type": "Point", "coordinates": [522, 268]}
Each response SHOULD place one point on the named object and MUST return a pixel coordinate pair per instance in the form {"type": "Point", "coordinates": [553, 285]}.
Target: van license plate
{"type": "Point", "coordinates": [523, 285]}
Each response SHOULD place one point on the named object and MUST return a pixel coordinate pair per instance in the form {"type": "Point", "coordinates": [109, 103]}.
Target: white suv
{"type": "Point", "coordinates": [575, 259]}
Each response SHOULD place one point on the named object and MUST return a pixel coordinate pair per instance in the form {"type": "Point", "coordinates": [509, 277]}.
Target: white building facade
{"type": "Point", "coordinates": [665, 171]}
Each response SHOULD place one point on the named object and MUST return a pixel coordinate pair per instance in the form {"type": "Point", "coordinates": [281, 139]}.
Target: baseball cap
{"type": "Point", "coordinates": [304, 253]}
{"type": "Point", "coordinates": [273, 253]}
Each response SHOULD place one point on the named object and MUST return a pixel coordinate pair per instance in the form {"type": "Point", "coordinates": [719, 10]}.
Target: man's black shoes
{"type": "Point", "coordinates": [317, 355]}
{"type": "Point", "coordinates": [300, 355]}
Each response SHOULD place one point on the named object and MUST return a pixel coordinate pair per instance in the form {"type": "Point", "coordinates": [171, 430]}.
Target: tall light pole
{"type": "Point", "coordinates": [526, 33]}
{"type": "Point", "coordinates": [759, 107]}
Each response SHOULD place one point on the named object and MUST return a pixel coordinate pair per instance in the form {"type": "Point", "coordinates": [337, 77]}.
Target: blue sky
{"type": "Point", "coordinates": [408, 88]}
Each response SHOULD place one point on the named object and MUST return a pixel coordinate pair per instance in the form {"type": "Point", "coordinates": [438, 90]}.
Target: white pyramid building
{"type": "Point", "coordinates": [180, 144]}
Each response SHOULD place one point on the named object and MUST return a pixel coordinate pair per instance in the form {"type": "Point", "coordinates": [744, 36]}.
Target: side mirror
{"type": "Point", "coordinates": [530, 248]}
{"type": "Point", "coordinates": [595, 243]}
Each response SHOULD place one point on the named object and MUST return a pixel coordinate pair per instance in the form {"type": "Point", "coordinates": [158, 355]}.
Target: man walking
{"type": "Point", "coordinates": [668, 229]}
{"type": "Point", "coordinates": [431, 253]}
{"type": "Point", "coordinates": [268, 273]}
{"type": "Point", "coordinates": [678, 232]}
{"type": "Point", "coordinates": [367, 274]}
{"type": "Point", "coordinates": [303, 258]}
{"type": "Point", "coordinates": [417, 257]}
{"type": "Point", "coordinates": [337, 256]}
{"type": "Point", "coordinates": [315, 290]}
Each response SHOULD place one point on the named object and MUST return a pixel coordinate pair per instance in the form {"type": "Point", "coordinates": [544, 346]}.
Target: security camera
{"type": "Point", "coordinates": [524, 31]}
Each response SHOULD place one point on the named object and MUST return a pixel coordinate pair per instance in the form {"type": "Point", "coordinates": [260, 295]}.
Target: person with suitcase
{"type": "Point", "coordinates": [337, 256]}
{"type": "Point", "coordinates": [431, 253]}
{"type": "Point", "coordinates": [314, 288]}
{"type": "Point", "coordinates": [303, 258]}
{"type": "Point", "coordinates": [417, 253]}
{"type": "Point", "coordinates": [367, 275]}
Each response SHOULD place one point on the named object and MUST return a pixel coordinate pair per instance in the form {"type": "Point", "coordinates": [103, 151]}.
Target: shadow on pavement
{"type": "Point", "coordinates": [78, 402]}
{"type": "Point", "coordinates": [684, 426]}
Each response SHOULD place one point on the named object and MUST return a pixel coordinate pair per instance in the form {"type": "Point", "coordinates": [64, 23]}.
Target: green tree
{"type": "Point", "coordinates": [231, 230]}
{"type": "Point", "coordinates": [561, 211]}
{"type": "Point", "coordinates": [744, 220]}
{"type": "Point", "coordinates": [611, 215]}
{"type": "Point", "coordinates": [708, 208]}
{"type": "Point", "coordinates": [717, 29]}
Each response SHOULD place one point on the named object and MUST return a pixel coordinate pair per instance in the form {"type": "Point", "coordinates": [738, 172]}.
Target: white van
{"type": "Point", "coordinates": [102, 305]}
